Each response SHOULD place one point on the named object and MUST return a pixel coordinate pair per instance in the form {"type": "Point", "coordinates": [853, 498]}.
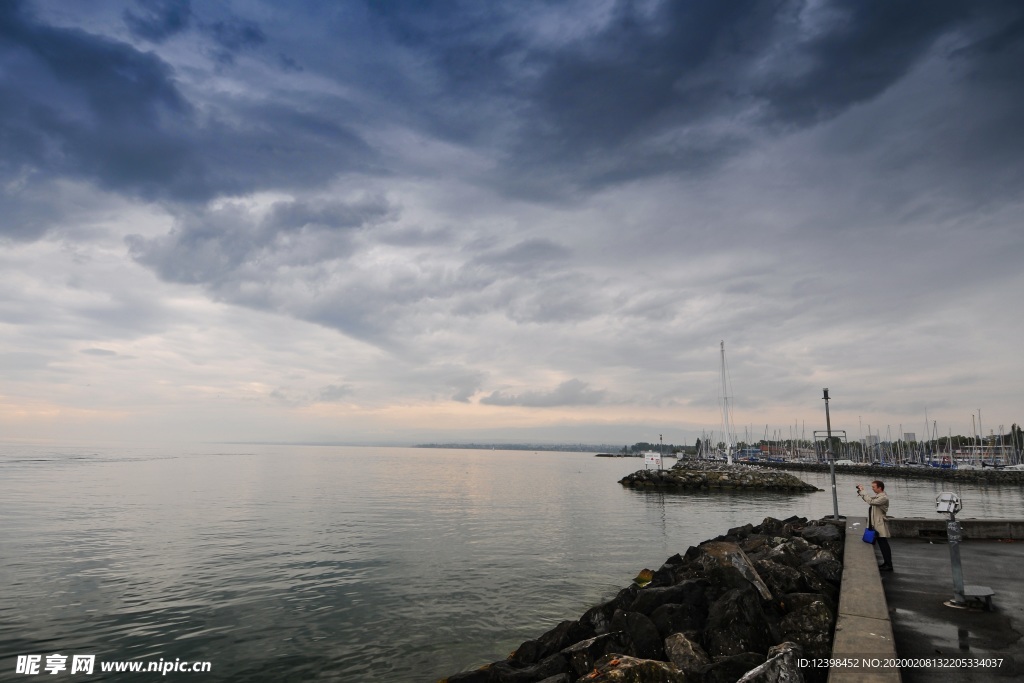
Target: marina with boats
{"type": "Point", "coordinates": [998, 450]}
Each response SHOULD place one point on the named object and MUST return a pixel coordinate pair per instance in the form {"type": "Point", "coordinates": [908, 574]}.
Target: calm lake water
{"type": "Point", "coordinates": [292, 563]}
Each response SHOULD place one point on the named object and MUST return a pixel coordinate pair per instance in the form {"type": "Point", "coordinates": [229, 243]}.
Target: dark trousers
{"type": "Point", "coordinates": [883, 545]}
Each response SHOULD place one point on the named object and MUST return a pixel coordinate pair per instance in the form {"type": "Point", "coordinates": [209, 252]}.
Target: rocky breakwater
{"type": "Point", "coordinates": [716, 477]}
{"type": "Point", "coordinates": [746, 606]}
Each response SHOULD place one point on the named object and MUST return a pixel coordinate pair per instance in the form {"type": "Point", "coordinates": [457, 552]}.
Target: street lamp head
{"type": "Point", "coordinates": [825, 397]}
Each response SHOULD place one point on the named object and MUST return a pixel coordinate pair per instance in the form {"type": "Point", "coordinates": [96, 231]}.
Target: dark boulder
{"type": "Point", "coordinates": [691, 593]}
{"type": "Point", "coordinates": [509, 671]}
{"type": "Point", "coordinates": [785, 554]}
{"type": "Point", "coordinates": [754, 544]}
{"type": "Point", "coordinates": [780, 579]}
{"type": "Point", "coordinates": [811, 582]}
{"type": "Point", "coordinates": [782, 666]}
{"type": "Point", "coordinates": [816, 553]}
{"type": "Point", "coordinates": [583, 655]}
{"type": "Point", "coordinates": [811, 627]}
{"type": "Point", "coordinates": [669, 619]}
{"type": "Point", "coordinates": [559, 678]}
{"type": "Point", "coordinates": [685, 653]}
{"type": "Point", "coordinates": [775, 527]}
{"type": "Point", "coordinates": [669, 574]}
{"type": "Point", "coordinates": [741, 532]}
{"type": "Point", "coordinates": [728, 566]}
{"type": "Point", "coordinates": [730, 669]}
{"type": "Point", "coordinates": [737, 624]}
{"type": "Point", "coordinates": [791, 602]}
{"type": "Point", "coordinates": [819, 534]}
{"type": "Point", "coordinates": [558, 638]}
{"type": "Point", "coordinates": [599, 618]}
{"type": "Point", "coordinates": [625, 669]}
{"type": "Point", "coordinates": [644, 640]}
{"type": "Point", "coordinates": [830, 570]}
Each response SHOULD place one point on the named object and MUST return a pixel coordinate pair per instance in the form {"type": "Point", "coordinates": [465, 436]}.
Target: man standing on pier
{"type": "Point", "coordinates": [879, 506]}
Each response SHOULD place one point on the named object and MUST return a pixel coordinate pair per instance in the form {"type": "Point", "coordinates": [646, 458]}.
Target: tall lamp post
{"type": "Point", "coordinates": [831, 458]}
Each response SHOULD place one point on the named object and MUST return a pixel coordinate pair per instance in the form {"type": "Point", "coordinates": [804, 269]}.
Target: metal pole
{"type": "Point", "coordinates": [953, 534]}
{"type": "Point", "coordinates": [832, 459]}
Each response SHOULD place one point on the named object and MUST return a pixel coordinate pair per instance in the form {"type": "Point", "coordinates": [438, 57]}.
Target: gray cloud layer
{"type": "Point", "coordinates": [567, 194]}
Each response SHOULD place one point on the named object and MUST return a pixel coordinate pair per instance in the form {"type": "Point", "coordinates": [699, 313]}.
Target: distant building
{"type": "Point", "coordinates": [910, 436]}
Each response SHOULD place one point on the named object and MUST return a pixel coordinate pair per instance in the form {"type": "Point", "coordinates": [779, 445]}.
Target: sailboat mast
{"type": "Point", "coordinates": [725, 410]}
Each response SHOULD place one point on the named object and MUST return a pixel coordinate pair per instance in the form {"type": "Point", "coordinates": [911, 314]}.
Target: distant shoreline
{"type": "Point", "coordinates": [556, 448]}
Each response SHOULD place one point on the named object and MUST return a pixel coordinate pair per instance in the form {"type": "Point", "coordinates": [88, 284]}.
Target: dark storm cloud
{"type": "Point", "coordinates": [641, 91]}
{"type": "Point", "coordinates": [158, 20]}
{"type": "Point", "coordinates": [237, 35]}
{"type": "Point", "coordinates": [859, 51]}
{"type": "Point", "coordinates": [569, 393]}
{"type": "Point", "coordinates": [79, 105]}
{"type": "Point", "coordinates": [233, 37]}
{"type": "Point", "coordinates": [681, 87]}
{"type": "Point", "coordinates": [231, 244]}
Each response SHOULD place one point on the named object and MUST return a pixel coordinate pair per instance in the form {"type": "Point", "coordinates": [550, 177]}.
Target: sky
{"type": "Point", "coordinates": [400, 222]}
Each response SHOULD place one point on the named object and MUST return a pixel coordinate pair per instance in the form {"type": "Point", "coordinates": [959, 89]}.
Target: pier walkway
{"type": "Point", "coordinates": [925, 628]}
{"type": "Point", "coordinates": [903, 614]}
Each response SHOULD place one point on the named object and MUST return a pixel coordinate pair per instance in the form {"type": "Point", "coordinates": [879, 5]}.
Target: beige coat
{"type": "Point", "coordinates": [879, 507]}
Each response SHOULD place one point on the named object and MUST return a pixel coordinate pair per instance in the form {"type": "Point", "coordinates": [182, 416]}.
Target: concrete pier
{"type": "Point", "coordinates": [903, 615]}
{"type": "Point", "coordinates": [925, 628]}
{"type": "Point", "coordinates": [863, 626]}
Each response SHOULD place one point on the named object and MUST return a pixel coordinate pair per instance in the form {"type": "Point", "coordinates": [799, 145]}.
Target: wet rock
{"type": "Point", "coordinates": [791, 602]}
{"type": "Point", "coordinates": [546, 668]}
{"type": "Point", "coordinates": [685, 653]}
{"type": "Point", "coordinates": [816, 553]}
{"type": "Point", "coordinates": [779, 578]}
{"type": "Point", "coordinates": [741, 532]}
{"type": "Point", "coordinates": [730, 669]}
{"type": "Point", "coordinates": [514, 672]}
{"type": "Point", "coordinates": [625, 669]}
{"type": "Point", "coordinates": [785, 554]}
{"type": "Point", "coordinates": [599, 618]}
{"type": "Point", "coordinates": [799, 545]}
{"type": "Point", "coordinates": [669, 619]}
{"type": "Point", "coordinates": [728, 556]}
{"type": "Point", "coordinates": [811, 582]}
{"type": "Point", "coordinates": [830, 570]}
{"type": "Point", "coordinates": [689, 593]}
{"type": "Point", "coordinates": [819, 534]}
{"type": "Point", "coordinates": [782, 666]}
{"type": "Point", "coordinates": [644, 640]}
{"type": "Point", "coordinates": [664, 577]}
{"type": "Point", "coordinates": [754, 544]}
{"type": "Point", "coordinates": [737, 624]}
{"type": "Point", "coordinates": [811, 627]}
{"type": "Point", "coordinates": [583, 655]}
{"type": "Point", "coordinates": [558, 638]}
{"type": "Point", "coordinates": [775, 527]}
